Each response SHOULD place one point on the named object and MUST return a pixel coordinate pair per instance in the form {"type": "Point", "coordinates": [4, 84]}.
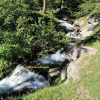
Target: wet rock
{"type": "Point", "coordinates": [53, 72]}
{"type": "Point", "coordinates": [63, 72]}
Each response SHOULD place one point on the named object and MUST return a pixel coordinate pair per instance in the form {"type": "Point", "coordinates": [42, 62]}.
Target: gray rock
{"type": "Point", "coordinates": [77, 51]}
{"type": "Point", "coordinates": [53, 72]}
{"type": "Point", "coordinates": [74, 53]}
{"type": "Point", "coordinates": [88, 29]}
{"type": "Point", "coordinates": [91, 19]}
{"type": "Point", "coordinates": [63, 73]}
{"type": "Point", "coordinates": [79, 23]}
{"type": "Point", "coordinates": [93, 26]}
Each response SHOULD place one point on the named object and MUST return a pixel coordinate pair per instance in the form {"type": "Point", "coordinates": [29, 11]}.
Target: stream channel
{"type": "Point", "coordinates": [22, 78]}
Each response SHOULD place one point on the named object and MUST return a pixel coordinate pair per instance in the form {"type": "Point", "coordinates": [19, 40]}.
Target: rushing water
{"type": "Point", "coordinates": [67, 24]}
{"type": "Point", "coordinates": [20, 79]}
{"type": "Point", "coordinates": [59, 56]}
{"type": "Point", "coordinates": [70, 29]}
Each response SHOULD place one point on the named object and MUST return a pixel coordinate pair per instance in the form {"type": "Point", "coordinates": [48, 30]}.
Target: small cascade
{"type": "Point", "coordinates": [71, 29]}
{"type": "Point", "coordinates": [59, 56]}
{"type": "Point", "coordinates": [21, 79]}
{"type": "Point", "coordinates": [67, 24]}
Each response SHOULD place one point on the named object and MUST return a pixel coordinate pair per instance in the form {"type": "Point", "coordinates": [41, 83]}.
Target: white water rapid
{"type": "Point", "coordinates": [67, 24]}
{"type": "Point", "coordinates": [70, 28]}
{"type": "Point", "coordinates": [20, 79]}
{"type": "Point", "coordinates": [53, 58]}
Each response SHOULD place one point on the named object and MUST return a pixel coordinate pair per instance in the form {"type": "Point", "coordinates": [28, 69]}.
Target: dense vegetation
{"type": "Point", "coordinates": [25, 31]}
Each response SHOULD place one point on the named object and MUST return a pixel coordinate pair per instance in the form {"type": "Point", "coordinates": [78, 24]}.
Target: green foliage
{"type": "Point", "coordinates": [85, 9]}
{"type": "Point", "coordinates": [23, 30]}
{"type": "Point", "coordinates": [60, 27]}
{"type": "Point", "coordinates": [97, 11]}
{"type": "Point", "coordinates": [47, 39]}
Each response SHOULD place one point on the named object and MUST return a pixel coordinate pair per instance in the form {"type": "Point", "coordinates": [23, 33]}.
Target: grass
{"type": "Point", "coordinates": [91, 80]}
{"type": "Point", "coordinates": [60, 92]}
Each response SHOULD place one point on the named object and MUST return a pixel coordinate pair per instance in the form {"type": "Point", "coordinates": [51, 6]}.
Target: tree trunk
{"type": "Point", "coordinates": [60, 4]}
{"type": "Point", "coordinates": [44, 6]}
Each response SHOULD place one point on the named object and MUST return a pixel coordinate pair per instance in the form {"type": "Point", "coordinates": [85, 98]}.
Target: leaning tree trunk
{"type": "Point", "coordinates": [44, 6]}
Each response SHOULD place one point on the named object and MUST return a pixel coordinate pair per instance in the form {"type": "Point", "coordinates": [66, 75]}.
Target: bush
{"type": "Point", "coordinates": [24, 30]}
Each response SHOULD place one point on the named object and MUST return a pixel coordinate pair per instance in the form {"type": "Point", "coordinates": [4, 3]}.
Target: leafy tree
{"type": "Point", "coordinates": [24, 31]}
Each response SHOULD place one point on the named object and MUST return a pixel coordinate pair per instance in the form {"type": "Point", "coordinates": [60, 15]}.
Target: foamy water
{"type": "Point", "coordinates": [70, 28]}
{"type": "Point", "coordinates": [53, 58]}
{"type": "Point", "coordinates": [20, 79]}
{"type": "Point", "coordinates": [67, 25]}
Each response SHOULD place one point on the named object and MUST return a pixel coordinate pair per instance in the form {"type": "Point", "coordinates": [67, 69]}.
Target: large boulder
{"type": "Point", "coordinates": [77, 52]}
{"type": "Point", "coordinates": [88, 29]}
{"type": "Point", "coordinates": [79, 23]}
{"type": "Point", "coordinates": [91, 19]}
